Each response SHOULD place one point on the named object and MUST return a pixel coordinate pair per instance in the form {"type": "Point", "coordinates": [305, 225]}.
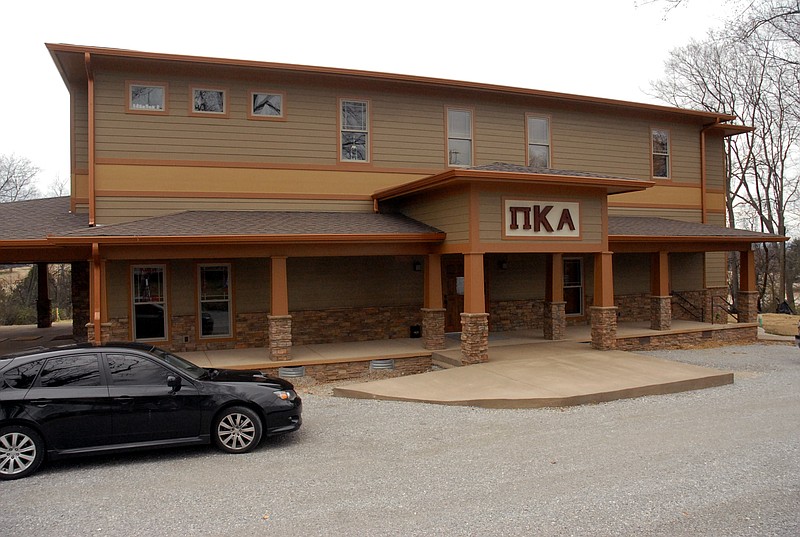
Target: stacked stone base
{"type": "Point", "coordinates": [604, 327]}
{"type": "Point", "coordinates": [555, 321]}
{"type": "Point", "coordinates": [354, 370]}
{"type": "Point", "coordinates": [474, 338]}
{"type": "Point", "coordinates": [733, 335]}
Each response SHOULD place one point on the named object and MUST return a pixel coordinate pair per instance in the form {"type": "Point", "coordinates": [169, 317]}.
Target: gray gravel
{"type": "Point", "coordinates": [723, 461]}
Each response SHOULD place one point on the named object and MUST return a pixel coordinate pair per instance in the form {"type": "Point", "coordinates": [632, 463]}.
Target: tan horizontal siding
{"type": "Point", "coordinates": [685, 154]}
{"type": "Point", "coordinates": [716, 269]}
{"type": "Point", "coordinates": [686, 271]}
{"type": "Point", "coordinates": [631, 273]}
{"type": "Point", "coordinates": [685, 215]}
{"type": "Point", "coordinates": [715, 163]}
{"type": "Point", "coordinates": [446, 213]}
{"type": "Point", "coordinates": [350, 282]}
{"type": "Point", "coordinates": [125, 209]}
{"type": "Point", "coordinates": [80, 127]}
{"type": "Point", "coordinates": [523, 277]}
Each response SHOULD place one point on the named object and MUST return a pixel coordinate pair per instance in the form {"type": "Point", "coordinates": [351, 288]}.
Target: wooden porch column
{"type": "Point", "coordinates": [43, 316]}
{"type": "Point", "coordinates": [433, 312]}
{"type": "Point", "coordinates": [280, 322]}
{"type": "Point", "coordinates": [660, 299]}
{"type": "Point", "coordinates": [555, 316]}
{"type": "Point", "coordinates": [475, 319]}
{"type": "Point", "coordinates": [98, 332]}
{"type": "Point", "coordinates": [748, 294]}
{"type": "Point", "coordinates": [603, 312]}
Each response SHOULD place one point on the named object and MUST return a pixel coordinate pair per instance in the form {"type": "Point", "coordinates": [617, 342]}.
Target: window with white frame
{"type": "Point", "coordinates": [538, 142]}
{"type": "Point", "coordinates": [149, 295]}
{"type": "Point", "coordinates": [459, 137]}
{"type": "Point", "coordinates": [354, 122]}
{"type": "Point", "coordinates": [661, 150]}
{"type": "Point", "coordinates": [215, 300]}
{"type": "Point", "coordinates": [209, 101]}
{"type": "Point", "coordinates": [266, 105]}
{"type": "Point", "coordinates": [145, 97]}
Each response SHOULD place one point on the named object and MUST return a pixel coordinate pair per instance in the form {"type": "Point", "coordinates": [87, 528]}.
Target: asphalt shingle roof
{"type": "Point", "coordinates": [515, 168]}
{"type": "Point", "coordinates": [254, 223]}
{"type": "Point", "coordinates": [35, 219]}
{"type": "Point", "coordinates": [639, 226]}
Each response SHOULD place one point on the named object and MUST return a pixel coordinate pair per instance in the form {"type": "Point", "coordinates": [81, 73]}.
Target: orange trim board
{"type": "Point", "coordinates": [230, 195]}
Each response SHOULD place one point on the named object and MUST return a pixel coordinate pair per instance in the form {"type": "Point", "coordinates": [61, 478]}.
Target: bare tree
{"type": "Point", "coordinates": [59, 187]}
{"type": "Point", "coordinates": [747, 78]}
{"type": "Point", "coordinates": [17, 178]}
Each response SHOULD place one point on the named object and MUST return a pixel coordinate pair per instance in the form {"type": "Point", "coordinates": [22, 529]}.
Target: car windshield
{"type": "Point", "coordinates": [181, 363]}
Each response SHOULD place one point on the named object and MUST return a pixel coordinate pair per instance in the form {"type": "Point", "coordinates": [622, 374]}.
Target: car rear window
{"type": "Point", "coordinates": [22, 376]}
{"type": "Point", "coordinates": [63, 371]}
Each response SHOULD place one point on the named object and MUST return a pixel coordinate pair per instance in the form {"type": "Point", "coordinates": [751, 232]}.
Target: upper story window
{"type": "Point", "coordinates": [661, 152]}
{"type": "Point", "coordinates": [538, 141]}
{"type": "Point", "coordinates": [266, 105]}
{"type": "Point", "coordinates": [354, 134]}
{"type": "Point", "coordinates": [209, 101]}
{"type": "Point", "coordinates": [459, 137]}
{"type": "Point", "coordinates": [146, 97]}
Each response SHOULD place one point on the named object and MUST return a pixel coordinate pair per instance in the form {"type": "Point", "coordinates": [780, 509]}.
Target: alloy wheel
{"type": "Point", "coordinates": [17, 453]}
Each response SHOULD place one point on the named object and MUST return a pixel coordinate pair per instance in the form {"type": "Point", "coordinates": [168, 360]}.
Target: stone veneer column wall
{"type": "Point", "coordinates": [660, 312]}
{"type": "Point", "coordinates": [748, 306]}
{"type": "Point", "coordinates": [433, 328]}
{"type": "Point", "coordinates": [474, 338]}
{"type": "Point", "coordinates": [280, 337]}
{"type": "Point", "coordinates": [105, 332]}
{"type": "Point", "coordinates": [604, 327]}
{"type": "Point", "coordinates": [555, 320]}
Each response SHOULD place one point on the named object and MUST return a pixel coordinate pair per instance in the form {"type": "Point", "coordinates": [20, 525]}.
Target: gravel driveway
{"type": "Point", "coordinates": [722, 461]}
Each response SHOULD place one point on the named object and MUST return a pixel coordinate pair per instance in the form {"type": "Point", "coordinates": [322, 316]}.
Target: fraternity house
{"type": "Point", "coordinates": [221, 204]}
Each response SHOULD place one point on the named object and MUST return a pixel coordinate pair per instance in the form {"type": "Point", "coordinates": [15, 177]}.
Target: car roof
{"type": "Point", "coordinates": [38, 351]}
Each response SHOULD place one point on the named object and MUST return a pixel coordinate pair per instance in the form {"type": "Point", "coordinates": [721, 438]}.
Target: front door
{"type": "Point", "coordinates": [453, 274]}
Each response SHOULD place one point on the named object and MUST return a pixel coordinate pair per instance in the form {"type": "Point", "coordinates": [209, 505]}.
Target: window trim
{"type": "Point", "coordinates": [341, 130]}
{"type": "Point", "coordinates": [165, 301]}
{"type": "Point", "coordinates": [528, 143]}
{"type": "Point", "coordinates": [668, 154]}
{"type": "Point", "coordinates": [231, 303]}
{"type": "Point", "coordinates": [200, 113]}
{"type": "Point", "coordinates": [257, 117]}
{"type": "Point", "coordinates": [447, 138]}
{"type": "Point", "coordinates": [130, 110]}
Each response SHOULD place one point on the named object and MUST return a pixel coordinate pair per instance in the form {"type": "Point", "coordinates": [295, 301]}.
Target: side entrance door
{"type": "Point", "coordinates": [453, 284]}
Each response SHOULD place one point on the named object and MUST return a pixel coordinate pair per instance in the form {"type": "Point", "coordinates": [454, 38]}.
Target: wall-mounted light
{"type": "Point", "coordinates": [417, 266]}
{"type": "Point", "coordinates": [502, 264]}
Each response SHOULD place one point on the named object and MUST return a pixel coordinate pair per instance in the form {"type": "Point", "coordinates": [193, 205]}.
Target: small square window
{"type": "Point", "coordinates": [209, 101]}
{"type": "Point", "coordinates": [266, 105]}
{"type": "Point", "coordinates": [147, 98]}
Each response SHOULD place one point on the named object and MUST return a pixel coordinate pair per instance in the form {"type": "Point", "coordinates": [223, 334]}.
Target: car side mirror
{"type": "Point", "coordinates": [174, 382]}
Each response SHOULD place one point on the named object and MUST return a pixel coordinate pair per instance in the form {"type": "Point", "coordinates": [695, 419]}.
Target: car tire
{"type": "Point", "coordinates": [237, 429]}
{"type": "Point", "coordinates": [21, 452]}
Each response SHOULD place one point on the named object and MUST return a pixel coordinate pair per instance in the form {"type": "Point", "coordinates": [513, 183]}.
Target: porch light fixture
{"type": "Point", "coordinates": [417, 266]}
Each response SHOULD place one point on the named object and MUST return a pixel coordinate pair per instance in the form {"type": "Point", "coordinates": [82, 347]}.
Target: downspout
{"type": "Point", "coordinates": [90, 87]}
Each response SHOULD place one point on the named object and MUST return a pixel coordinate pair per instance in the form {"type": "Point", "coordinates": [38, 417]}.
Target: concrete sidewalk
{"type": "Point", "coordinates": [543, 375]}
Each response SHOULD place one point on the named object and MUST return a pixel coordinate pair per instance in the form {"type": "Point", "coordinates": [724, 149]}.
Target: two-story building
{"type": "Point", "coordinates": [224, 203]}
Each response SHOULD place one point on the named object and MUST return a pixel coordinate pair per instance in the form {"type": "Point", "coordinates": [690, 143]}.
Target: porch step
{"type": "Point", "coordinates": [447, 360]}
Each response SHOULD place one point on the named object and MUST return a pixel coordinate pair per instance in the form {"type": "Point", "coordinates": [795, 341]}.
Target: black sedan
{"type": "Point", "coordinates": [84, 399]}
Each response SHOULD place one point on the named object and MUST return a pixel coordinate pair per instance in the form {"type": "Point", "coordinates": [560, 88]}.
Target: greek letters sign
{"type": "Point", "coordinates": [527, 218]}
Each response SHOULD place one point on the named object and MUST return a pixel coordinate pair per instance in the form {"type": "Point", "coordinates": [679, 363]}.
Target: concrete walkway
{"type": "Point", "coordinates": [543, 375]}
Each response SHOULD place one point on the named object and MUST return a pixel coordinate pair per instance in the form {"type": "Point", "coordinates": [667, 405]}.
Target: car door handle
{"type": "Point", "coordinates": [41, 402]}
{"type": "Point", "coordinates": [125, 399]}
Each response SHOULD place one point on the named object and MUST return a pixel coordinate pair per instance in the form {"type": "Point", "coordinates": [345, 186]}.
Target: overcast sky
{"type": "Point", "coordinates": [603, 48]}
